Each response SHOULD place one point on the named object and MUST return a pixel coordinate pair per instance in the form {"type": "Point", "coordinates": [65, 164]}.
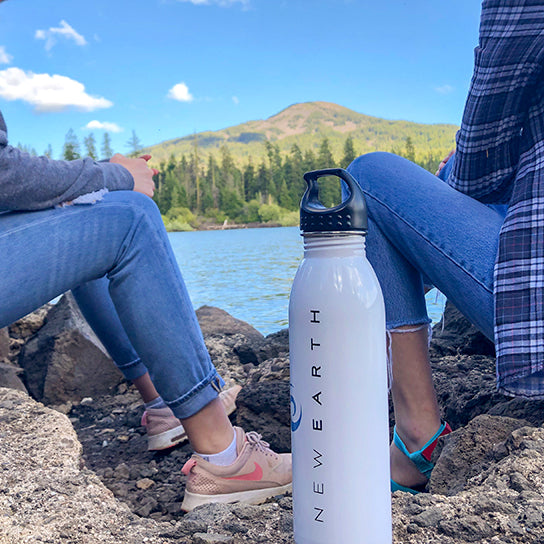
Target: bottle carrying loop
{"type": "Point", "coordinates": [349, 216]}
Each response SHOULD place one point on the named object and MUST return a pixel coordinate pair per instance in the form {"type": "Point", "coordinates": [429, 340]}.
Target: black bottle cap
{"type": "Point", "coordinates": [350, 215]}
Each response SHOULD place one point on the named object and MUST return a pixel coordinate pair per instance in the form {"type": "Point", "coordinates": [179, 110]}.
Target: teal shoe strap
{"type": "Point", "coordinates": [420, 458]}
{"type": "Point", "coordinates": [397, 487]}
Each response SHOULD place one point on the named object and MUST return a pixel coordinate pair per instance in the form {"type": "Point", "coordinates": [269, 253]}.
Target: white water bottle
{"type": "Point", "coordinates": [339, 423]}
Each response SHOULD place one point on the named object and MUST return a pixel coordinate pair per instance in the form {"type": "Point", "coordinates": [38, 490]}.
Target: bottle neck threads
{"type": "Point", "coordinates": [334, 244]}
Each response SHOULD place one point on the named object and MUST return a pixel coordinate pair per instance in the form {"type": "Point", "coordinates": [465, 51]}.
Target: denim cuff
{"type": "Point", "coordinates": [198, 397]}
{"type": "Point", "coordinates": [134, 370]}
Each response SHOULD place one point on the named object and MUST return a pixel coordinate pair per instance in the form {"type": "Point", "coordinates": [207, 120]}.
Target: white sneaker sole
{"type": "Point", "coordinates": [166, 440]}
{"type": "Point", "coordinates": [177, 435]}
{"type": "Point", "coordinates": [256, 496]}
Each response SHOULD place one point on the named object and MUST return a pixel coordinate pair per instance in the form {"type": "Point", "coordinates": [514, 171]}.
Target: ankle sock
{"type": "Point", "coordinates": [155, 403]}
{"type": "Point", "coordinates": [223, 458]}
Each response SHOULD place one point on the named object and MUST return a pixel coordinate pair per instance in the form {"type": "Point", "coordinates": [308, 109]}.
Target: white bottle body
{"type": "Point", "coordinates": [341, 482]}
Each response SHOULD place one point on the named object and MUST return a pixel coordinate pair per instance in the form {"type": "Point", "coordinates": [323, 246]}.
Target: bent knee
{"type": "Point", "coordinates": [135, 200]}
{"type": "Point", "coordinates": [378, 167]}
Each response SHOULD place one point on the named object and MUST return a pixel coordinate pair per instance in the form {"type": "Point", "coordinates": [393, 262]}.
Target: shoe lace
{"type": "Point", "coordinates": [256, 440]}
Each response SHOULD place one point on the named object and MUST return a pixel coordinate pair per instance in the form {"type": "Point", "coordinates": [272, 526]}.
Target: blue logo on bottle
{"type": "Point", "coordinates": [296, 415]}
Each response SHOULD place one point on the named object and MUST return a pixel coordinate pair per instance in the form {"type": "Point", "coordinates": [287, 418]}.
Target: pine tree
{"type": "Point", "coordinates": [329, 188]}
{"type": "Point", "coordinates": [324, 157]}
{"type": "Point", "coordinates": [48, 152]}
{"type": "Point", "coordinates": [134, 144]}
{"type": "Point", "coordinates": [106, 149]}
{"type": "Point", "coordinates": [71, 149]}
{"type": "Point", "coordinates": [294, 168]}
{"type": "Point", "coordinates": [90, 146]}
{"type": "Point", "coordinates": [409, 149]}
{"type": "Point", "coordinates": [249, 181]}
{"type": "Point", "coordinates": [196, 174]}
{"type": "Point", "coordinates": [310, 161]}
{"type": "Point", "coordinates": [263, 182]}
{"type": "Point", "coordinates": [211, 182]}
{"type": "Point", "coordinates": [349, 152]}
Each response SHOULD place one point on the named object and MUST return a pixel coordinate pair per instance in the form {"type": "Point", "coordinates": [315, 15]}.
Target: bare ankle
{"type": "Point", "coordinates": [415, 435]}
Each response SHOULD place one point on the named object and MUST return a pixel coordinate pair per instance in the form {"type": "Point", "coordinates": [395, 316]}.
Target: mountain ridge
{"type": "Point", "coordinates": [306, 124]}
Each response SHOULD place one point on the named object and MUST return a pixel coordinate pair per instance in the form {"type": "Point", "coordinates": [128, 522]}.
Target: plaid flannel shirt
{"type": "Point", "coordinates": [500, 159]}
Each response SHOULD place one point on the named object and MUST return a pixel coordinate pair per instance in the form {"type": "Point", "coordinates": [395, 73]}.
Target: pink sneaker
{"type": "Point", "coordinates": [257, 474]}
{"type": "Point", "coordinates": [164, 430]}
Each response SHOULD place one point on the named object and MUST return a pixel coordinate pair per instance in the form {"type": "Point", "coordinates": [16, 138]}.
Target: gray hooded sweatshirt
{"type": "Point", "coordinates": [35, 183]}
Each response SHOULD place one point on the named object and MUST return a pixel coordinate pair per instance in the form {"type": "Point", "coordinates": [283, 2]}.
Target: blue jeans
{"type": "Point", "coordinates": [122, 238]}
{"type": "Point", "coordinates": [423, 232]}
{"type": "Point", "coordinates": [96, 305]}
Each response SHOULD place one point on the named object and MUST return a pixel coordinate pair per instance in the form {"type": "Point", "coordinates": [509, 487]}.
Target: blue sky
{"type": "Point", "coordinates": [168, 68]}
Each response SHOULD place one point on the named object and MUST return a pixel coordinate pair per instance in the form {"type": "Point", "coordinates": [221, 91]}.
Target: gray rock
{"type": "Point", "coordinates": [429, 517]}
{"type": "Point", "coordinates": [464, 374]}
{"type": "Point", "coordinates": [30, 324]}
{"type": "Point", "coordinates": [273, 369]}
{"type": "Point", "coordinates": [4, 344]}
{"type": "Point", "coordinates": [64, 361]}
{"type": "Point", "coordinates": [210, 538]}
{"type": "Point", "coordinates": [222, 350]}
{"type": "Point", "coordinates": [46, 495]}
{"type": "Point", "coordinates": [490, 509]}
{"type": "Point", "coordinates": [468, 451]}
{"type": "Point", "coordinates": [10, 377]}
{"type": "Point", "coordinates": [272, 525]}
{"type": "Point", "coordinates": [274, 345]}
{"type": "Point", "coordinates": [265, 407]}
{"type": "Point", "coordinates": [217, 322]}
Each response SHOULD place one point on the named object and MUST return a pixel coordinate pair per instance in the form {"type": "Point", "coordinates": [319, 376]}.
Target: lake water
{"type": "Point", "coordinates": [248, 272]}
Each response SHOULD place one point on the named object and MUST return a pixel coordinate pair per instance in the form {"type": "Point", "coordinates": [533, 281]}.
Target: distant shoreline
{"type": "Point", "coordinates": [232, 226]}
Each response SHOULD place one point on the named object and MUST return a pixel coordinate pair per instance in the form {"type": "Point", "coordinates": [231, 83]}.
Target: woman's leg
{"type": "Point", "coordinates": [420, 227]}
{"type": "Point", "coordinates": [94, 301]}
{"type": "Point", "coordinates": [46, 253]}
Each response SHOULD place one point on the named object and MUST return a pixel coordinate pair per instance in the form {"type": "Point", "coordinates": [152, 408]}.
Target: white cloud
{"type": "Point", "coordinates": [444, 89]}
{"type": "Point", "coordinates": [180, 92]}
{"type": "Point", "coordinates": [236, 100]}
{"type": "Point", "coordinates": [99, 125]}
{"type": "Point", "coordinates": [222, 3]}
{"type": "Point", "coordinates": [4, 57]}
{"type": "Point", "coordinates": [48, 92]}
{"type": "Point", "coordinates": [64, 30]}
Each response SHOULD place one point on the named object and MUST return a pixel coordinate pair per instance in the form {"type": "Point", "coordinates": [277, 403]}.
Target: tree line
{"type": "Point", "coordinates": [216, 187]}
{"type": "Point", "coordinates": [213, 187]}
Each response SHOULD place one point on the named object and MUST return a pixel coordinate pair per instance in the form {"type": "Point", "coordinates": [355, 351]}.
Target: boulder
{"type": "Point", "coordinates": [10, 376]}
{"type": "Point", "coordinates": [231, 343]}
{"type": "Point", "coordinates": [265, 407]}
{"type": "Point", "coordinates": [469, 451]}
{"type": "Point", "coordinates": [46, 494]}
{"type": "Point", "coordinates": [274, 345]}
{"type": "Point", "coordinates": [463, 362]}
{"type": "Point", "coordinates": [501, 501]}
{"type": "Point", "coordinates": [4, 344]}
{"type": "Point", "coordinates": [216, 322]}
{"type": "Point", "coordinates": [64, 361]}
{"type": "Point", "coordinates": [30, 324]}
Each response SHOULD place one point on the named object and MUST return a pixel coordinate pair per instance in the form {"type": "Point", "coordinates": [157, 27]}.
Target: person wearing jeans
{"type": "Point", "coordinates": [476, 234]}
{"type": "Point", "coordinates": [422, 232]}
{"type": "Point", "coordinates": [65, 223]}
{"type": "Point", "coordinates": [163, 428]}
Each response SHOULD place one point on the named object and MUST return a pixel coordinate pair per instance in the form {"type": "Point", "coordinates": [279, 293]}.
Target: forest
{"type": "Point", "coordinates": [209, 189]}
{"type": "Point", "coordinates": [196, 190]}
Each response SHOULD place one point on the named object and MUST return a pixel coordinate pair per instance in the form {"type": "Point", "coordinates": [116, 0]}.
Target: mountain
{"type": "Point", "coordinates": [306, 124]}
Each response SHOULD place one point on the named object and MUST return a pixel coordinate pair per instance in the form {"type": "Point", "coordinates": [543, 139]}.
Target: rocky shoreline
{"type": "Point", "coordinates": [74, 467]}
